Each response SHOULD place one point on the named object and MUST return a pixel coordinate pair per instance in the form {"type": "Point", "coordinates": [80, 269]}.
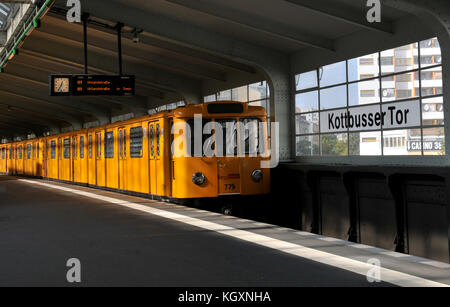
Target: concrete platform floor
{"type": "Point", "coordinates": [128, 241]}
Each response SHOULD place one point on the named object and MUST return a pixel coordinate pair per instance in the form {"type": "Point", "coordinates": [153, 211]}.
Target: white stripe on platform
{"type": "Point", "coordinates": [362, 268]}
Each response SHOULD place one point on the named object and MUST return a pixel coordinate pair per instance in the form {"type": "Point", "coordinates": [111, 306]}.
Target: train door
{"type": "Point", "coordinates": [92, 160]}
{"type": "Point", "coordinates": [75, 161]}
{"type": "Point", "coordinates": [122, 157]}
{"type": "Point", "coordinates": [154, 130]}
{"type": "Point", "coordinates": [99, 162]}
{"type": "Point", "coordinates": [44, 158]}
{"type": "Point", "coordinates": [59, 158]}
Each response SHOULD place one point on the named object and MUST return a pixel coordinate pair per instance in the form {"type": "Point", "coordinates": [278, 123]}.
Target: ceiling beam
{"type": "Point", "coordinates": [343, 14]}
{"type": "Point", "coordinates": [107, 43]}
{"type": "Point", "coordinates": [256, 23]}
{"type": "Point", "coordinates": [42, 73]}
{"type": "Point", "coordinates": [13, 122]}
{"type": "Point", "coordinates": [38, 89]}
{"type": "Point", "coordinates": [66, 51]}
{"type": "Point", "coordinates": [144, 39]}
{"type": "Point", "coordinates": [78, 68]}
{"type": "Point", "coordinates": [39, 107]}
{"type": "Point", "coordinates": [32, 118]}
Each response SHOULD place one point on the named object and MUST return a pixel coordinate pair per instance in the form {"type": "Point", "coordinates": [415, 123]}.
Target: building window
{"type": "Point", "coordinates": [389, 103]}
{"type": "Point", "coordinates": [366, 76]}
{"type": "Point", "coordinates": [366, 61]}
{"type": "Point", "coordinates": [367, 93]}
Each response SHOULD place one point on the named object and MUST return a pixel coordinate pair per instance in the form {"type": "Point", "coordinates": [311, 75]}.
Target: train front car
{"type": "Point", "coordinates": [217, 149]}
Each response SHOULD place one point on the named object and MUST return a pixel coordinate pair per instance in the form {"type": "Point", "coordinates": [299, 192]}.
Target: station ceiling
{"type": "Point", "coordinates": [167, 70]}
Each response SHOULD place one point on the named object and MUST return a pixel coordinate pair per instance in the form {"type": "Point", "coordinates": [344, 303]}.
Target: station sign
{"type": "Point", "coordinates": [372, 117]}
{"type": "Point", "coordinates": [92, 85]}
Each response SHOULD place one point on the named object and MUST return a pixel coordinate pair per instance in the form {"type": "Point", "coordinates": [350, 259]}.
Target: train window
{"type": "Point", "coordinates": [152, 141]}
{"type": "Point", "coordinates": [250, 137]}
{"type": "Point", "coordinates": [109, 145]}
{"type": "Point", "coordinates": [3, 153]}
{"type": "Point", "coordinates": [218, 108]}
{"type": "Point", "coordinates": [53, 149]}
{"type": "Point", "coordinates": [97, 141]}
{"type": "Point", "coordinates": [124, 142]}
{"type": "Point", "coordinates": [74, 147]}
{"type": "Point", "coordinates": [229, 137]}
{"type": "Point", "coordinates": [29, 151]}
{"type": "Point", "coordinates": [20, 152]}
{"type": "Point", "coordinates": [158, 134]}
{"type": "Point", "coordinates": [66, 148]}
{"type": "Point", "coordinates": [206, 136]}
{"type": "Point", "coordinates": [82, 147]}
{"type": "Point", "coordinates": [10, 153]}
{"type": "Point", "coordinates": [136, 135]}
{"type": "Point", "coordinates": [90, 146]}
{"type": "Point", "coordinates": [120, 144]}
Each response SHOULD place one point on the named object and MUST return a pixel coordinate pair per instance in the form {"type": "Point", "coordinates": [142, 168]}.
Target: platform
{"type": "Point", "coordinates": [124, 240]}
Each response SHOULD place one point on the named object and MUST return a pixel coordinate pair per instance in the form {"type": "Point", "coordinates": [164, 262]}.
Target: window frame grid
{"type": "Point", "coordinates": [380, 102]}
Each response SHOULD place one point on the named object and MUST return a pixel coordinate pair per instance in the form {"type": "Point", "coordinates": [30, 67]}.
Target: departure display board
{"type": "Point", "coordinates": [92, 85]}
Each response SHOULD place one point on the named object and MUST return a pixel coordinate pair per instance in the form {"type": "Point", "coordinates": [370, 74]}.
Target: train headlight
{"type": "Point", "coordinates": [257, 175]}
{"type": "Point", "coordinates": [198, 178]}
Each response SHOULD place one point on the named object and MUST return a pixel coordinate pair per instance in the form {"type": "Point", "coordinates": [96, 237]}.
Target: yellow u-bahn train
{"type": "Point", "coordinates": [142, 155]}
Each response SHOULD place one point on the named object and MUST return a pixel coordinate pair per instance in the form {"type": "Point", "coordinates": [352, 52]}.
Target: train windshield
{"type": "Point", "coordinates": [223, 137]}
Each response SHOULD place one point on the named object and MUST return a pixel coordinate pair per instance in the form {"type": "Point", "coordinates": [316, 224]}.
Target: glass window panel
{"type": "Point", "coordinates": [431, 81]}
{"type": "Point", "coordinates": [306, 80]}
{"type": "Point", "coordinates": [307, 145]}
{"type": "Point", "coordinates": [224, 95]}
{"type": "Point", "coordinates": [334, 144]}
{"type": "Point", "coordinates": [403, 58]}
{"type": "Point", "coordinates": [257, 91]}
{"type": "Point", "coordinates": [262, 103]}
{"type": "Point", "coordinates": [363, 67]}
{"type": "Point", "coordinates": [333, 74]}
{"type": "Point", "coordinates": [402, 142]}
{"type": "Point", "coordinates": [307, 102]}
{"type": "Point", "coordinates": [364, 92]}
{"type": "Point", "coordinates": [109, 145]}
{"type": "Point", "coordinates": [240, 94]}
{"type": "Point", "coordinates": [136, 136]}
{"type": "Point", "coordinates": [210, 98]}
{"type": "Point", "coordinates": [434, 141]}
{"type": "Point", "coordinates": [402, 86]}
{"type": "Point", "coordinates": [307, 123]}
{"type": "Point", "coordinates": [430, 52]}
{"type": "Point", "coordinates": [365, 143]}
{"type": "Point", "coordinates": [433, 111]}
{"type": "Point", "coordinates": [334, 97]}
